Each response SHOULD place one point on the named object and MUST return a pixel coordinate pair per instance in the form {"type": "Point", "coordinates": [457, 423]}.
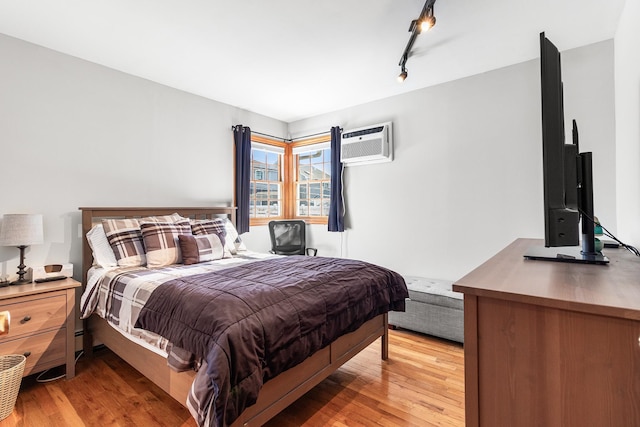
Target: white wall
{"type": "Point", "coordinates": [466, 179]}
{"type": "Point", "coordinates": [627, 91]}
{"type": "Point", "coordinates": [467, 174]}
{"type": "Point", "coordinates": [73, 133]}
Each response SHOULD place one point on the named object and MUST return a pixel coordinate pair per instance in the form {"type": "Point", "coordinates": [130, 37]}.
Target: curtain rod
{"type": "Point", "coordinates": [313, 134]}
{"type": "Point", "coordinates": [233, 128]}
{"type": "Point", "coordinates": [285, 139]}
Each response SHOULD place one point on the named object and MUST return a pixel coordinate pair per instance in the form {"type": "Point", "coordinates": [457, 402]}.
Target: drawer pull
{"type": "Point", "coordinates": [25, 320]}
{"type": "Point", "coordinates": [27, 353]}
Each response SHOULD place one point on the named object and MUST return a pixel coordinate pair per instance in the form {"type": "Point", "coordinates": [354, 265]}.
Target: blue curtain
{"type": "Point", "coordinates": [336, 209]}
{"type": "Point", "coordinates": [242, 140]}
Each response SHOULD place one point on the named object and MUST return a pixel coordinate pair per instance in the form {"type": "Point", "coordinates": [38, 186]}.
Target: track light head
{"type": "Point", "coordinates": [403, 75]}
{"type": "Point", "coordinates": [427, 23]}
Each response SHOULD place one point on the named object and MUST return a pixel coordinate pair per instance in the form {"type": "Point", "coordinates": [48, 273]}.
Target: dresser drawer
{"type": "Point", "coordinates": [29, 314]}
{"type": "Point", "coordinates": [45, 350]}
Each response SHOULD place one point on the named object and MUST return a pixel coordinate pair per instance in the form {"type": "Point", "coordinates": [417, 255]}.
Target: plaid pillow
{"type": "Point", "coordinates": [208, 226]}
{"type": "Point", "coordinates": [161, 241]}
{"type": "Point", "coordinates": [126, 241]}
{"type": "Point", "coordinates": [203, 248]}
{"type": "Point", "coordinates": [214, 226]}
{"type": "Point", "coordinates": [174, 217]}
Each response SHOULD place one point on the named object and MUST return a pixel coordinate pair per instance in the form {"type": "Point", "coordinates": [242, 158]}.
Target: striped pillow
{"type": "Point", "coordinates": [126, 241]}
{"type": "Point", "coordinates": [161, 241]}
{"type": "Point", "coordinates": [203, 248]}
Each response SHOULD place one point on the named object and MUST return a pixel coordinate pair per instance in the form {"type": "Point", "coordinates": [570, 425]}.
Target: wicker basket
{"type": "Point", "coordinates": [11, 369]}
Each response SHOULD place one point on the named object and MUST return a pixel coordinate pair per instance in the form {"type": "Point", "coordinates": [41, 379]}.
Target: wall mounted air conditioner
{"type": "Point", "coordinates": [366, 145]}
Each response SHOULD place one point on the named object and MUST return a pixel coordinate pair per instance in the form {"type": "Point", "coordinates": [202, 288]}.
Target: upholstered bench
{"type": "Point", "coordinates": [432, 308]}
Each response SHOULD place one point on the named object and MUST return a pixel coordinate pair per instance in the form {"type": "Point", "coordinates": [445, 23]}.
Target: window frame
{"type": "Point", "coordinates": [285, 173]}
{"type": "Point", "coordinates": [316, 219]}
{"type": "Point", "coordinates": [289, 179]}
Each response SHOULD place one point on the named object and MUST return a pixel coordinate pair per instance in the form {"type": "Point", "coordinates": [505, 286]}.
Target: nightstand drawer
{"type": "Point", "coordinates": [45, 350]}
{"type": "Point", "coordinates": [42, 324]}
{"type": "Point", "coordinates": [29, 315]}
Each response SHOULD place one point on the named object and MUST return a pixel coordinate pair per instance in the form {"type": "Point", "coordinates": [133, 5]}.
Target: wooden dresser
{"type": "Point", "coordinates": [42, 324]}
{"type": "Point", "coordinates": [552, 344]}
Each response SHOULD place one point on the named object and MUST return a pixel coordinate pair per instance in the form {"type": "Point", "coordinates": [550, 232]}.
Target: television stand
{"type": "Point", "coordinates": [565, 254]}
{"type": "Point", "coordinates": [551, 344]}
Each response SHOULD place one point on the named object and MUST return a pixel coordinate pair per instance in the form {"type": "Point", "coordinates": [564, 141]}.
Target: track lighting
{"type": "Point", "coordinates": [425, 22]}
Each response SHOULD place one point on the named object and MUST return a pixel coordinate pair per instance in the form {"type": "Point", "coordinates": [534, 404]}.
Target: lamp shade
{"type": "Point", "coordinates": [21, 230]}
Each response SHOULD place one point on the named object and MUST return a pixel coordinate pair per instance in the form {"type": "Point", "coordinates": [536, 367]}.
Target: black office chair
{"type": "Point", "coordinates": [288, 238]}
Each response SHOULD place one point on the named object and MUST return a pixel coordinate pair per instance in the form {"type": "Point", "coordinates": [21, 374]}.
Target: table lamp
{"type": "Point", "coordinates": [21, 230]}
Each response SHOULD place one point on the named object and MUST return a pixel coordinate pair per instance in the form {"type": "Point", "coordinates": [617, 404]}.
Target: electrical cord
{"type": "Point", "coordinates": [630, 248]}
{"type": "Point", "coordinates": [47, 380]}
{"type": "Point", "coordinates": [610, 235]}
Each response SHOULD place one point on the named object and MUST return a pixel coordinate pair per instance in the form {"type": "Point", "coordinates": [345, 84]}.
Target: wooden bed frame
{"type": "Point", "coordinates": [277, 393]}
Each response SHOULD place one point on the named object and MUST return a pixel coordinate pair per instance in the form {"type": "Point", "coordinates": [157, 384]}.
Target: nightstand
{"type": "Point", "coordinates": [42, 326]}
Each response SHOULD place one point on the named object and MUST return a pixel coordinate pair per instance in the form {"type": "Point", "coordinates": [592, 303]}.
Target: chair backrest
{"type": "Point", "coordinates": [287, 237]}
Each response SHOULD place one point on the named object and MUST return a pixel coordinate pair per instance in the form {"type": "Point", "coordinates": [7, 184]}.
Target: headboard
{"type": "Point", "coordinates": [91, 216]}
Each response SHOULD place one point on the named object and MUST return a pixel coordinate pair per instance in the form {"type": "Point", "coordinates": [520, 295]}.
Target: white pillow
{"type": "Point", "coordinates": [233, 238]}
{"type": "Point", "coordinates": [103, 255]}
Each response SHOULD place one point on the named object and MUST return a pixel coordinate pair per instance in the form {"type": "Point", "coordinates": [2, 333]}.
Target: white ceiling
{"type": "Point", "coordinates": [291, 59]}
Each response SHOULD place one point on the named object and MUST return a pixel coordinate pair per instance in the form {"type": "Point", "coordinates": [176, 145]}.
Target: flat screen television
{"type": "Point", "coordinates": [567, 174]}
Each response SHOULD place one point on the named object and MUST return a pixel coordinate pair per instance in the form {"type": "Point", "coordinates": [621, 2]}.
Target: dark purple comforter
{"type": "Point", "coordinates": [254, 321]}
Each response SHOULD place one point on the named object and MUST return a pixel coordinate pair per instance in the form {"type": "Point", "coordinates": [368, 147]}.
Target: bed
{"type": "Point", "coordinates": [279, 391]}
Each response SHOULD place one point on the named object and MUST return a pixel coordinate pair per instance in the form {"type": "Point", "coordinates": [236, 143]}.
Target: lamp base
{"type": "Point", "coordinates": [21, 268]}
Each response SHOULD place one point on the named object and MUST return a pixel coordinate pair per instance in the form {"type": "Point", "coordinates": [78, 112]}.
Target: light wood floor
{"type": "Point", "coordinates": [422, 384]}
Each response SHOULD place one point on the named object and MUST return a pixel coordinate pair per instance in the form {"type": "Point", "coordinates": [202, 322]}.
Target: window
{"type": "Point", "coordinates": [266, 189]}
{"type": "Point", "coordinates": [312, 165]}
{"type": "Point", "coordinates": [290, 180]}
